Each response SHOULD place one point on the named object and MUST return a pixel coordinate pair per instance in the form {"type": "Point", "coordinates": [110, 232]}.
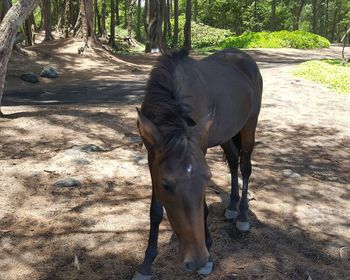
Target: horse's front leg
{"type": "Point", "coordinates": [144, 271]}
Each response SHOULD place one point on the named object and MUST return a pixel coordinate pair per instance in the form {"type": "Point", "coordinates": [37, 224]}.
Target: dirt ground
{"type": "Point", "coordinates": [299, 191]}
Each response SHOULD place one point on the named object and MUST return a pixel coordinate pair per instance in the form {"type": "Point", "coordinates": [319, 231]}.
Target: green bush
{"type": "Point", "coordinates": [328, 72]}
{"type": "Point", "coordinates": [203, 35]}
{"type": "Point", "coordinates": [278, 39]}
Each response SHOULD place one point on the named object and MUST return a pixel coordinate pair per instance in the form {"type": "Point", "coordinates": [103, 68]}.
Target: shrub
{"type": "Point", "coordinates": [278, 39]}
{"type": "Point", "coordinates": [203, 35]}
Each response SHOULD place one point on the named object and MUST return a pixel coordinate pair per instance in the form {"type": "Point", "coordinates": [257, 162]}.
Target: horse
{"type": "Point", "coordinates": [189, 106]}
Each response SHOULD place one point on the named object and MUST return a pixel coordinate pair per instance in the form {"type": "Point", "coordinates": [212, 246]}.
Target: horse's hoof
{"type": "Point", "coordinates": [242, 226]}
{"type": "Point", "coordinates": [139, 276]}
{"type": "Point", "coordinates": [207, 269]}
{"type": "Point", "coordinates": [230, 214]}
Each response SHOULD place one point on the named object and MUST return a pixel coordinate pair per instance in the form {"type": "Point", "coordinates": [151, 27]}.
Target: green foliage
{"type": "Point", "coordinates": [278, 39]}
{"type": "Point", "coordinates": [203, 35]}
{"type": "Point", "coordinates": [328, 72]}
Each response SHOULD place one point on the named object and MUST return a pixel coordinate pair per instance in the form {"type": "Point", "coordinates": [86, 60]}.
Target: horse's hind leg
{"type": "Point", "coordinates": [231, 149]}
{"type": "Point", "coordinates": [247, 146]}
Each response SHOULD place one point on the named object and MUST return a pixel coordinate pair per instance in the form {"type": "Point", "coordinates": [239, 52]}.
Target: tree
{"type": "Point", "coordinates": [47, 20]}
{"type": "Point", "coordinates": [176, 24]}
{"type": "Point", "coordinates": [187, 27]}
{"type": "Point", "coordinates": [112, 37]}
{"type": "Point", "coordinates": [84, 25]}
{"type": "Point", "coordinates": [13, 19]}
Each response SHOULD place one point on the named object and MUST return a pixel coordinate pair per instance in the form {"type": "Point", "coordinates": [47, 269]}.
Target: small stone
{"type": "Point", "coordinates": [67, 183]}
{"type": "Point", "coordinates": [81, 161]}
{"type": "Point", "coordinates": [142, 162]}
{"type": "Point", "coordinates": [30, 78]}
{"type": "Point", "coordinates": [88, 148]}
{"type": "Point", "coordinates": [290, 173]}
{"type": "Point", "coordinates": [49, 72]}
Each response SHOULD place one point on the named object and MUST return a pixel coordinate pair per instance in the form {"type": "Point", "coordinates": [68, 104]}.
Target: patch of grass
{"type": "Point", "coordinates": [279, 39]}
{"type": "Point", "coordinates": [329, 72]}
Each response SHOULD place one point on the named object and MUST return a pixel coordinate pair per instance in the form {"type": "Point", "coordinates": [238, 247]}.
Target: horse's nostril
{"type": "Point", "coordinates": [190, 266]}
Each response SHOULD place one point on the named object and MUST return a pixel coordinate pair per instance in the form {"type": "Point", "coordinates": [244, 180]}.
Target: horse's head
{"type": "Point", "coordinates": [179, 178]}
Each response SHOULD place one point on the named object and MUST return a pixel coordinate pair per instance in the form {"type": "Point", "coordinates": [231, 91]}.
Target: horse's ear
{"type": "Point", "coordinates": [148, 131]}
{"type": "Point", "coordinates": [202, 129]}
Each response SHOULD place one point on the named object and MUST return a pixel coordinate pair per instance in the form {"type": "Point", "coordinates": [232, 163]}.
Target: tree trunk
{"type": "Point", "coordinates": [125, 13]}
{"type": "Point", "coordinates": [97, 19]}
{"type": "Point", "coordinates": [28, 30]}
{"type": "Point", "coordinates": [8, 30]}
{"type": "Point", "coordinates": [144, 17]}
{"type": "Point", "coordinates": [112, 27]}
{"type": "Point", "coordinates": [5, 6]}
{"type": "Point", "coordinates": [130, 7]}
{"type": "Point", "coordinates": [138, 26]}
{"type": "Point", "coordinates": [104, 15]}
{"type": "Point", "coordinates": [169, 18]}
{"type": "Point", "coordinates": [164, 13]}
{"type": "Point", "coordinates": [195, 10]}
{"type": "Point", "coordinates": [117, 17]}
{"type": "Point", "coordinates": [47, 20]}
{"type": "Point", "coordinates": [314, 16]}
{"type": "Point", "coordinates": [67, 14]}
{"type": "Point", "coordinates": [176, 24]}
{"type": "Point", "coordinates": [84, 26]}
{"type": "Point", "coordinates": [154, 37]}
{"type": "Point", "coordinates": [273, 15]}
{"type": "Point", "coordinates": [187, 27]}
{"type": "Point", "coordinates": [298, 13]}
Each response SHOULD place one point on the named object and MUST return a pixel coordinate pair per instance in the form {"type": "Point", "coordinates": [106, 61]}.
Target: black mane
{"type": "Point", "coordinates": [163, 105]}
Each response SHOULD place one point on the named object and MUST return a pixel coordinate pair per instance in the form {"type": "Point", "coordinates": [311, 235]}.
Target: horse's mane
{"type": "Point", "coordinates": [163, 105]}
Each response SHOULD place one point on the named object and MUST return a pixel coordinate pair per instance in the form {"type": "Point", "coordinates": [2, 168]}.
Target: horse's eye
{"type": "Point", "coordinates": [166, 185]}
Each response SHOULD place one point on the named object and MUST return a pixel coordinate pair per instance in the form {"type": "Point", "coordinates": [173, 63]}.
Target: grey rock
{"type": "Point", "coordinates": [81, 161]}
{"type": "Point", "coordinates": [49, 72]}
{"type": "Point", "coordinates": [68, 183]}
{"type": "Point", "coordinates": [142, 162]}
{"type": "Point", "coordinates": [290, 173]}
{"type": "Point", "coordinates": [30, 78]}
{"type": "Point", "coordinates": [88, 148]}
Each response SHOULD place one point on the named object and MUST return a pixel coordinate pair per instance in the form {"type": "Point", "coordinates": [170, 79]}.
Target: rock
{"type": "Point", "coordinates": [49, 72]}
{"type": "Point", "coordinates": [88, 148]}
{"type": "Point", "coordinates": [290, 173]}
{"type": "Point", "coordinates": [143, 161]}
{"type": "Point", "coordinates": [67, 183]}
{"type": "Point", "coordinates": [81, 161]}
{"type": "Point", "coordinates": [30, 78]}
{"type": "Point", "coordinates": [344, 254]}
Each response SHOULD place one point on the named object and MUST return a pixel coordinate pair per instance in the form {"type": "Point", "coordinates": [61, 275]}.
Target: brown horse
{"type": "Point", "coordinates": [190, 106]}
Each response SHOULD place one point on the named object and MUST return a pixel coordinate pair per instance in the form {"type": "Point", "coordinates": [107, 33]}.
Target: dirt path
{"type": "Point", "coordinates": [300, 222]}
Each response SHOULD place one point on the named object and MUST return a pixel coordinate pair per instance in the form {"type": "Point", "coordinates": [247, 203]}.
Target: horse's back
{"type": "Point", "coordinates": [230, 80]}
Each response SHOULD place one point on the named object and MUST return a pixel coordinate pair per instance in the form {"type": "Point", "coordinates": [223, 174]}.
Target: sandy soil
{"type": "Point", "coordinates": [99, 230]}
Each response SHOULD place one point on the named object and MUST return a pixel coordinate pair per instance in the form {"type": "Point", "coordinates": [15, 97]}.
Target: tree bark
{"type": "Point", "coordinates": [273, 15]}
{"type": "Point", "coordinates": [47, 20]}
{"type": "Point", "coordinates": [104, 15]}
{"type": "Point", "coordinates": [84, 26]}
{"type": "Point", "coordinates": [187, 27]}
{"type": "Point", "coordinates": [176, 24]}
{"type": "Point", "coordinates": [112, 27]}
{"type": "Point", "coordinates": [97, 19]}
{"type": "Point", "coordinates": [138, 27]}
{"type": "Point", "coordinates": [117, 17]}
{"type": "Point", "coordinates": [8, 29]}
{"type": "Point", "coordinates": [130, 7]}
{"type": "Point", "coordinates": [29, 29]}
{"type": "Point", "coordinates": [67, 16]}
